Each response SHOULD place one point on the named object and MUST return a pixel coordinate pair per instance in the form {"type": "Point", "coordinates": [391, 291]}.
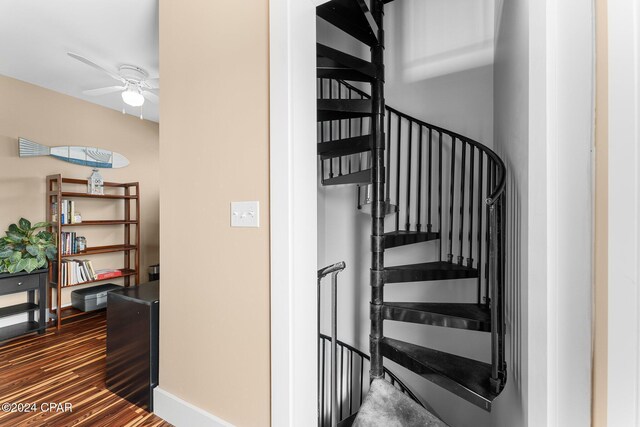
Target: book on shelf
{"type": "Point", "coordinates": [76, 271]}
{"type": "Point", "coordinates": [68, 243]}
{"type": "Point", "coordinates": [108, 274]}
{"type": "Point", "coordinates": [67, 212]}
{"type": "Point", "coordinates": [54, 212]}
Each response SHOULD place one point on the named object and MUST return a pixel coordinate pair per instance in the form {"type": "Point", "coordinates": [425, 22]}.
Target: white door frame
{"type": "Point", "coordinates": [293, 175]}
{"type": "Point", "coordinates": [559, 292]}
{"type": "Point", "coordinates": [552, 147]}
{"type": "Point", "coordinates": [624, 187]}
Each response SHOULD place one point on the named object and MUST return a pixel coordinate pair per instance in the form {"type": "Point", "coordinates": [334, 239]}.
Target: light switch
{"type": "Point", "coordinates": [245, 214]}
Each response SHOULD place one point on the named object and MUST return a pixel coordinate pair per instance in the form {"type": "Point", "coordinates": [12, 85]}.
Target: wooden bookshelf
{"type": "Point", "coordinates": [60, 188]}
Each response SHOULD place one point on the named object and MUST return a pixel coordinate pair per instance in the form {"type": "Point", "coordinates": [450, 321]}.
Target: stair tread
{"type": "Point", "coordinates": [476, 317]}
{"type": "Point", "coordinates": [337, 109]}
{"type": "Point", "coordinates": [351, 16]}
{"type": "Point", "coordinates": [332, 63]}
{"type": "Point", "coordinates": [462, 376]}
{"type": "Point", "coordinates": [437, 270]}
{"type": "Point", "coordinates": [360, 177]}
{"type": "Point", "coordinates": [342, 73]}
{"type": "Point", "coordinates": [401, 238]}
{"type": "Point", "coordinates": [344, 147]}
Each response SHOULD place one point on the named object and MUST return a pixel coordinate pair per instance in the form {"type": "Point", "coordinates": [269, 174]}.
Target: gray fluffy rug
{"type": "Point", "coordinates": [386, 406]}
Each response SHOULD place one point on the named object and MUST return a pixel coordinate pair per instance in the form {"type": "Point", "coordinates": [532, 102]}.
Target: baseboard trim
{"type": "Point", "coordinates": [181, 413]}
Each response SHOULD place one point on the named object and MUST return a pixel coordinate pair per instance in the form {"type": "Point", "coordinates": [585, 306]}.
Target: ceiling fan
{"type": "Point", "coordinates": [135, 84]}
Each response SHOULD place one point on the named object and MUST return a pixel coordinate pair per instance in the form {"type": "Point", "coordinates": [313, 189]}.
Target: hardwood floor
{"type": "Point", "coordinates": [65, 367]}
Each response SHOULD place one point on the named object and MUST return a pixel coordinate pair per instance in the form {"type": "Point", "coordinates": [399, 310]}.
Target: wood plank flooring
{"type": "Point", "coordinates": [65, 367]}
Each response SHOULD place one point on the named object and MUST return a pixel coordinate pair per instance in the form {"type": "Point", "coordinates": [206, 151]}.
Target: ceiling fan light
{"type": "Point", "coordinates": [132, 97]}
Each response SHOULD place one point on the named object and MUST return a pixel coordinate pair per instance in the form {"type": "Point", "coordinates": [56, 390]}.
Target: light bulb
{"type": "Point", "coordinates": [132, 97]}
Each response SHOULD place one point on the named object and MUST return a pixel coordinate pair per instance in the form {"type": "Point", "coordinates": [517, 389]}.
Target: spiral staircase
{"type": "Point", "coordinates": [419, 183]}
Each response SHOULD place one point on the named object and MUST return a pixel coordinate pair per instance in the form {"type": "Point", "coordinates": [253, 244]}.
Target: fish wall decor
{"type": "Point", "coordinates": [85, 156]}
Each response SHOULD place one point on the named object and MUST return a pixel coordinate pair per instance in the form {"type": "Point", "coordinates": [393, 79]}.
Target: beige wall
{"type": "Point", "coordinates": [51, 118]}
{"type": "Point", "coordinates": [214, 317]}
{"type": "Point", "coordinates": [599, 407]}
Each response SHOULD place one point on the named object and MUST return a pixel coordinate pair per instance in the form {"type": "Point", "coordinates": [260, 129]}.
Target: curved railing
{"type": "Point", "coordinates": [353, 380]}
{"type": "Point", "coordinates": [437, 181]}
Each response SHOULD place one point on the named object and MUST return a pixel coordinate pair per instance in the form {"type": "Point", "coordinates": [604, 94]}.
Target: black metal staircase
{"type": "Point", "coordinates": [420, 183]}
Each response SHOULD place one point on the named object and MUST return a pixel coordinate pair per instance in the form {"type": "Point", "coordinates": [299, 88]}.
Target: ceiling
{"type": "Point", "coordinates": [35, 36]}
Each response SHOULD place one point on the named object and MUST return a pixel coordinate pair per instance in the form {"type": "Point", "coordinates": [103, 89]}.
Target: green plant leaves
{"type": "Point", "coordinates": [42, 259]}
{"type": "Point", "coordinates": [44, 235]}
{"type": "Point", "coordinates": [51, 252]}
{"type": "Point", "coordinates": [24, 250]}
{"type": "Point", "coordinates": [5, 253]}
{"type": "Point", "coordinates": [21, 265]}
{"type": "Point", "coordinates": [14, 237]}
{"type": "Point", "coordinates": [32, 264]}
{"type": "Point", "coordinates": [24, 224]}
{"type": "Point", "coordinates": [33, 250]}
{"type": "Point", "coordinates": [15, 257]}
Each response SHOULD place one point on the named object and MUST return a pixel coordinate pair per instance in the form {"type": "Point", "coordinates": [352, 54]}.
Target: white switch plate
{"type": "Point", "coordinates": [245, 214]}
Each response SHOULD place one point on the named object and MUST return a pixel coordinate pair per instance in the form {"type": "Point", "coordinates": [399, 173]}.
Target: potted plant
{"type": "Point", "coordinates": [24, 248]}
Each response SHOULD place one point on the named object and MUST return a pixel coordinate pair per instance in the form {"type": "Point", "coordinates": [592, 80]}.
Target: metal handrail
{"type": "Point", "coordinates": [336, 409]}
{"type": "Point", "coordinates": [323, 272]}
{"type": "Point", "coordinates": [334, 268]}
{"type": "Point", "coordinates": [353, 381]}
{"type": "Point", "coordinates": [500, 185]}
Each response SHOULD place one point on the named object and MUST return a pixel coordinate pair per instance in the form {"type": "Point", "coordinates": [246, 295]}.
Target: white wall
{"type": "Point", "coordinates": [511, 113]}
{"type": "Point", "coordinates": [543, 126]}
{"type": "Point", "coordinates": [461, 101]}
{"type": "Point", "coordinates": [623, 405]}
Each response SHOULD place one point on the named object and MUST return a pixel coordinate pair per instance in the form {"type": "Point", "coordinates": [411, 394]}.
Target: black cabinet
{"type": "Point", "coordinates": [29, 283]}
{"type": "Point", "coordinates": [132, 343]}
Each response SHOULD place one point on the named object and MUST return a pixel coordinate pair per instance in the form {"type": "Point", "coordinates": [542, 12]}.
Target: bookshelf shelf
{"type": "Point", "coordinates": [125, 273]}
{"type": "Point", "coordinates": [102, 250]}
{"type": "Point", "coordinates": [98, 222]}
{"type": "Point", "coordinates": [97, 196]}
{"type": "Point", "coordinates": [127, 199]}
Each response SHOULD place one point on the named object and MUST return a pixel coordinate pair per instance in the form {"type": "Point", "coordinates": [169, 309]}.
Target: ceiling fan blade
{"type": "Point", "coordinates": [151, 96]}
{"type": "Point", "coordinates": [103, 90]}
{"type": "Point", "coordinates": [96, 66]}
{"type": "Point", "coordinates": [152, 83]}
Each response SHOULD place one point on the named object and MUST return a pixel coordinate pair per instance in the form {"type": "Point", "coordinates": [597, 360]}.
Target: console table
{"type": "Point", "coordinates": [29, 283]}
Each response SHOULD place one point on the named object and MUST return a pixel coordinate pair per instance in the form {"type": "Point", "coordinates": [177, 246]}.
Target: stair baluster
{"type": "Point", "coordinates": [452, 185]}
{"type": "Point", "coordinates": [419, 183]}
{"type": "Point", "coordinates": [409, 162]}
{"type": "Point", "coordinates": [398, 157]}
{"type": "Point", "coordinates": [481, 204]}
{"type": "Point", "coordinates": [472, 165]}
{"type": "Point", "coordinates": [463, 172]}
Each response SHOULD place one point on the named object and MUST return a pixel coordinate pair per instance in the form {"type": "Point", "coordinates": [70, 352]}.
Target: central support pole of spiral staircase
{"type": "Point", "coordinates": [378, 202]}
